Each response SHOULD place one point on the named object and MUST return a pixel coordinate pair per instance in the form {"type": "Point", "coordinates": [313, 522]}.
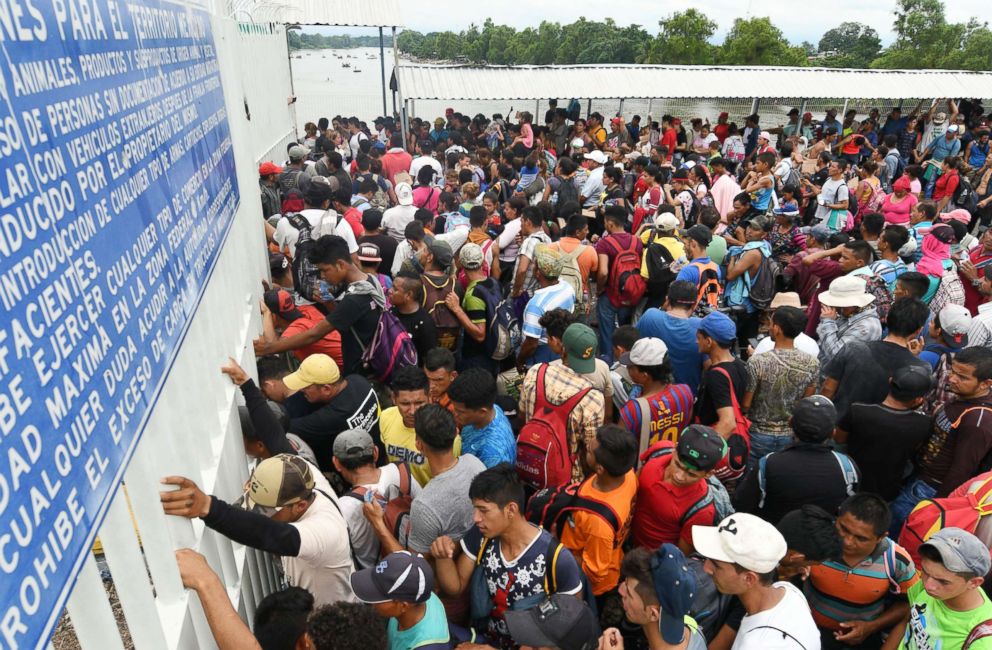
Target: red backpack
{"type": "Point", "coordinates": [626, 286]}
{"type": "Point", "coordinates": [543, 456]}
{"type": "Point", "coordinates": [396, 511]}
{"type": "Point", "coordinates": [932, 515]}
{"type": "Point", "coordinates": [739, 443]}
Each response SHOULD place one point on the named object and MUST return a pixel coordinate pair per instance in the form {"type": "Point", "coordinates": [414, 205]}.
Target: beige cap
{"type": "Point", "coordinates": [279, 481]}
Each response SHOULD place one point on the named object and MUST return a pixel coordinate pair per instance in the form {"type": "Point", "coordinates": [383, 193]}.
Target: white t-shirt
{"type": "Point", "coordinates": [354, 143]}
{"type": "Point", "coordinates": [833, 191]}
{"type": "Point", "coordinates": [323, 566]}
{"type": "Point", "coordinates": [786, 626]}
{"type": "Point", "coordinates": [363, 540]}
{"type": "Point", "coordinates": [456, 238]}
{"type": "Point", "coordinates": [802, 342]}
{"type": "Point", "coordinates": [418, 163]}
{"type": "Point", "coordinates": [508, 247]}
{"type": "Point", "coordinates": [321, 223]}
{"type": "Point", "coordinates": [395, 219]}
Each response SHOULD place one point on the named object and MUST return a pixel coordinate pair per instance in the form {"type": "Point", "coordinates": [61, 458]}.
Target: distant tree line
{"type": "Point", "coordinates": [308, 41]}
{"type": "Point", "coordinates": [924, 39]}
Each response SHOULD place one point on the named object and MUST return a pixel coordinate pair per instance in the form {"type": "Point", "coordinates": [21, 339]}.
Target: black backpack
{"type": "Point", "coordinates": [306, 275]}
{"type": "Point", "coordinates": [763, 284]}
{"type": "Point", "coordinates": [551, 507]}
{"type": "Point", "coordinates": [659, 263]}
{"type": "Point", "coordinates": [964, 196]}
{"type": "Point", "coordinates": [566, 192]}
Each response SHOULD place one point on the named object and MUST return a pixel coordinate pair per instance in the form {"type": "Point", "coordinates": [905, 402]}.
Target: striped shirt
{"type": "Point", "coordinates": [888, 271]}
{"type": "Point", "coordinates": [669, 411]}
{"type": "Point", "coordinates": [555, 296]}
{"type": "Point", "coordinates": [837, 592]}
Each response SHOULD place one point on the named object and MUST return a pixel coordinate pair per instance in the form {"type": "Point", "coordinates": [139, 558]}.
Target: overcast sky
{"type": "Point", "coordinates": [798, 20]}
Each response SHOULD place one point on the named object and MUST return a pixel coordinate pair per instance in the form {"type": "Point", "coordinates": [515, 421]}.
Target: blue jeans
{"type": "Point", "coordinates": [914, 492]}
{"type": "Point", "coordinates": [763, 444]}
{"type": "Point", "coordinates": [609, 318]}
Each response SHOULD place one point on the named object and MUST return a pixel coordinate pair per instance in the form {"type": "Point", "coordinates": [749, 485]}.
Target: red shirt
{"type": "Point", "coordinates": [972, 299]}
{"type": "Point", "coordinates": [661, 505]}
{"type": "Point", "coordinates": [354, 218]}
{"type": "Point", "coordinates": [329, 345]}
{"type": "Point", "coordinates": [946, 185]}
{"type": "Point", "coordinates": [394, 161]}
{"type": "Point", "coordinates": [670, 140]}
{"type": "Point", "coordinates": [721, 131]}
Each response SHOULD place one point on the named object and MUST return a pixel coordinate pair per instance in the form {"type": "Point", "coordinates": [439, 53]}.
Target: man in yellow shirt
{"type": "Point", "coordinates": [410, 392]}
{"type": "Point", "coordinates": [664, 231]}
{"type": "Point", "coordinates": [609, 461]}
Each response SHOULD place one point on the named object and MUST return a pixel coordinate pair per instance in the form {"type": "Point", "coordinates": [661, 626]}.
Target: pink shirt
{"type": "Point", "coordinates": [897, 213]}
{"type": "Point", "coordinates": [528, 135]}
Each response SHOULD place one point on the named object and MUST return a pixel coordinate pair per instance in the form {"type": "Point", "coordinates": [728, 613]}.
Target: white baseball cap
{"type": "Point", "coordinates": [404, 194]}
{"type": "Point", "coordinates": [666, 221]}
{"type": "Point", "coordinates": [597, 157]}
{"type": "Point", "coordinates": [646, 352]}
{"type": "Point", "coordinates": [741, 539]}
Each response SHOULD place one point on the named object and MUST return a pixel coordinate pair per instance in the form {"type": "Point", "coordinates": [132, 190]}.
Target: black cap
{"type": "Point", "coordinates": [700, 447]}
{"type": "Point", "coordinates": [701, 234]}
{"type": "Point", "coordinates": [813, 418]}
{"type": "Point", "coordinates": [910, 382]}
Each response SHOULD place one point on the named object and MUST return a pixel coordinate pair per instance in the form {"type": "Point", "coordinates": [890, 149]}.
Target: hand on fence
{"type": "Point", "coordinates": [193, 568]}
{"type": "Point", "coordinates": [188, 501]}
{"type": "Point", "coordinates": [234, 371]}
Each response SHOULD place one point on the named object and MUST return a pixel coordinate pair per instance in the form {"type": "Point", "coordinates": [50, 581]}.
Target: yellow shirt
{"type": "Point", "coordinates": [674, 246]}
{"type": "Point", "coordinates": [593, 542]}
{"type": "Point", "coordinates": [401, 445]}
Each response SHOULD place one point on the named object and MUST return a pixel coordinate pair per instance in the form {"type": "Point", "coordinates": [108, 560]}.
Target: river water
{"type": "Point", "coordinates": [325, 88]}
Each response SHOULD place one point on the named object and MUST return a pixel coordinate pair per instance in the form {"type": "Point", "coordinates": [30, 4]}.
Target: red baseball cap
{"type": "Point", "coordinates": [268, 168]}
{"type": "Point", "coordinates": [723, 115]}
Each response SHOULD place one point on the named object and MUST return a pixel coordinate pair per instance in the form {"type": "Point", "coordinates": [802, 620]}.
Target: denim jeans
{"type": "Point", "coordinates": [763, 444]}
{"type": "Point", "coordinates": [914, 492]}
{"type": "Point", "coordinates": [609, 317]}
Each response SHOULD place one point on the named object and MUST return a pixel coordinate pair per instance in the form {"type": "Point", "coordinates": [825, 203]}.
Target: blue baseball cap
{"type": "Point", "coordinates": [675, 587]}
{"type": "Point", "coordinates": [719, 327]}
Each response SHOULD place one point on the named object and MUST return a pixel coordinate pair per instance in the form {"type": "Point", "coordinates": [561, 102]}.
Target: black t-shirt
{"type": "Point", "coordinates": [387, 249]}
{"type": "Point", "coordinates": [356, 316]}
{"type": "Point", "coordinates": [714, 392]}
{"type": "Point", "coordinates": [355, 407]}
{"type": "Point", "coordinates": [862, 371]}
{"type": "Point", "coordinates": [799, 474]}
{"type": "Point", "coordinates": [422, 330]}
{"type": "Point", "coordinates": [883, 441]}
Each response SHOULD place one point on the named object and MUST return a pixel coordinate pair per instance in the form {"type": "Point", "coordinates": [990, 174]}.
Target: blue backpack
{"type": "Point", "coordinates": [503, 332]}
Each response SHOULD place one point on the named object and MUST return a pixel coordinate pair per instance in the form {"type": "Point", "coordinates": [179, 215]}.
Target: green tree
{"type": "Point", "coordinates": [924, 38]}
{"type": "Point", "coordinates": [756, 41]}
{"type": "Point", "coordinates": [852, 45]}
{"type": "Point", "coordinates": [683, 39]}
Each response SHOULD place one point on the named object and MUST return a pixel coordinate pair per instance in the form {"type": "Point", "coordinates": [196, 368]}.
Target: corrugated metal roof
{"type": "Point", "coordinates": [345, 13]}
{"type": "Point", "coordinates": [674, 82]}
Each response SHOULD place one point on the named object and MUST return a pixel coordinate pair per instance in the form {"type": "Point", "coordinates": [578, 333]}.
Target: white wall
{"type": "Point", "coordinates": [193, 430]}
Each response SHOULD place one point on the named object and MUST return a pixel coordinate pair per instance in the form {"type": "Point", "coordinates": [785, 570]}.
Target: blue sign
{"type": "Point", "coordinates": [117, 191]}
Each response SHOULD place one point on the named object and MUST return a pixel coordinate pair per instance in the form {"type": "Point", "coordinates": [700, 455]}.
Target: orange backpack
{"type": "Point", "coordinates": [932, 515]}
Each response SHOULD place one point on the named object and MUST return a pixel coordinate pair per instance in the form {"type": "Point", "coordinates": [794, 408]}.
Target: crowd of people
{"type": "Point", "coordinates": [584, 383]}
